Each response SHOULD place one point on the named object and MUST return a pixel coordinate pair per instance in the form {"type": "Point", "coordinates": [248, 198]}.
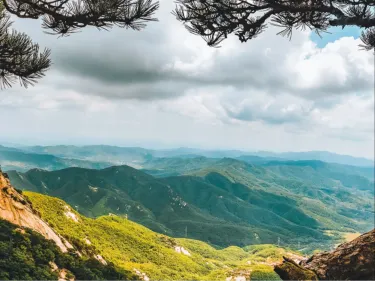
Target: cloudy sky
{"type": "Point", "coordinates": [163, 87]}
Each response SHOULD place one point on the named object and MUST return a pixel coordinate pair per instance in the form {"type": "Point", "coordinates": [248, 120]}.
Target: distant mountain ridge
{"type": "Point", "coordinates": [136, 155]}
{"type": "Point", "coordinates": [324, 156]}
{"type": "Point", "coordinates": [15, 159]}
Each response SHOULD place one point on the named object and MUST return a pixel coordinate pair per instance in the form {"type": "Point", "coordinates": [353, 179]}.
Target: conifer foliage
{"type": "Point", "coordinates": [21, 58]}
{"type": "Point", "coordinates": [215, 20]}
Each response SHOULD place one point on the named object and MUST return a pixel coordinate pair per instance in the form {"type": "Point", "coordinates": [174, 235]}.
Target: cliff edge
{"type": "Point", "coordinates": [17, 210]}
{"type": "Point", "coordinates": [354, 260]}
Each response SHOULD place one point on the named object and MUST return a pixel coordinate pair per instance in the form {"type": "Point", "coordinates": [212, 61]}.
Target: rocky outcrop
{"type": "Point", "coordinates": [290, 270]}
{"type": "Point", "coordinates": [17, 210]}
{"type": "Point", "coordinates": [354, 260]}
{"type": "Point", "coordinates": [239, 275]}
{"type": "Point", "coordinates": [182, 250]}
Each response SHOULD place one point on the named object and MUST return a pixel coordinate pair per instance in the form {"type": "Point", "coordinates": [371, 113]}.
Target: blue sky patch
{"type": "Point", "coordinates": [336, 33]}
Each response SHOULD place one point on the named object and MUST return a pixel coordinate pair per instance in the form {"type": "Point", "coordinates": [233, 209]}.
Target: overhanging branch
{"type": "Point", "coordinates": [214, 20]}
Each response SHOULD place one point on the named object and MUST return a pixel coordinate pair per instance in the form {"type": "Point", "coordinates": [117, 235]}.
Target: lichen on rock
{"type": "Point", "coordinates": [289, 270]}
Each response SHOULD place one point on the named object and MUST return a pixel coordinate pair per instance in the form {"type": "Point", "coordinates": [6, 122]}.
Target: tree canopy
{"type": "Point", "coordinates": [213, 20]}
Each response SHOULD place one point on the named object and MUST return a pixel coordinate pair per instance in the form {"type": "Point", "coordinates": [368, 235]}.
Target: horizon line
{"type": "Point", "coordinates": [171, 148]}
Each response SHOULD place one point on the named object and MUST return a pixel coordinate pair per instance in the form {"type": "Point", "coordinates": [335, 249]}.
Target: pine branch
{"type": "Point", "coordinates": [67, 16]}
{"type": "Point", "coordinates": [20, 58]}
{"type": "Point", "coordinates": [214, 20]}
{"type": "Point", "coordinates": [368, 39]}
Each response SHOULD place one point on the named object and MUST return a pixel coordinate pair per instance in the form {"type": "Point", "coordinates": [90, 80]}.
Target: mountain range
{"type": "Point", "coordinates": [13, 158]}
{"type": "Point", "coordinates": [221, 201]}
{"type": "Point", "coordinates": [43, 238]}
{"type": "Point", "coordinates": [105, 156]}
{"type": "Point", "coordinates": [132, 213]}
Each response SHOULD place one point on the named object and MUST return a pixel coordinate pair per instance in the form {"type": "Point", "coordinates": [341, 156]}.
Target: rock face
{"type": "Point", "coordinates": [15, 209]}
{"type": "Point", "coordinates": [354, 260]}
{"type": "Point", "coordinates": [181, 250]}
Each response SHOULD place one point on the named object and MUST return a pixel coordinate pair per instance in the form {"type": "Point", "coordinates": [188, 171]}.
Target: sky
{"type": "Point", "coordinates": [163, 87]}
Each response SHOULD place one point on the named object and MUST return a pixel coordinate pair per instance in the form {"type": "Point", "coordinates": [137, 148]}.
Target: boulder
{"type": "Point", "coordinates": [353, 260]}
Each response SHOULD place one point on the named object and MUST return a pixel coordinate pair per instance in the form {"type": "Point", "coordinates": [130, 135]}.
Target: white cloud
{"type": "Point", "coordinates": [165, 85]}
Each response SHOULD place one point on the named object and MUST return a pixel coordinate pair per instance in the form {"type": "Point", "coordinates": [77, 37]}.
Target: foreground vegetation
{"type": "Point", "coordinates": [133, 247]}
{"type": "Point", "coordinates": [27, 255]}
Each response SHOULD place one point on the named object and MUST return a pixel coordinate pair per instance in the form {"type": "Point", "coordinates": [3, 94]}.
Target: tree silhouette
{"type": "Point", "coordinates": [215, 20]}
{"type": "Point", "coordinates": [20, 57]}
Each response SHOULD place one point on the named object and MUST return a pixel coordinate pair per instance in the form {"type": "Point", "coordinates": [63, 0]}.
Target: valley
{"type": "Point", "coordinates": [134, 247]}
{"type": "Point", "coordinates": [197, 218]}
{"type": "Point", "coordinates": [187, 140]}
{"type": "Point", "coordinates": [221, 201]}
{"type": "Point", "coordinates": [60, 243]}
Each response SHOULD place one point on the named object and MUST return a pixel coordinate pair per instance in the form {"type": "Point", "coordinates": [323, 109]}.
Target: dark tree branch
{"type": "Point", "coordinates": [19, 57]}
{"type": "Point", "coordinates": [214, 20]}
{"type": "Point", "coordinates": [67, 16]}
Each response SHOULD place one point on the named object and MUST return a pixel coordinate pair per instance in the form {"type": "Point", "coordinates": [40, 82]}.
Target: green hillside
{"type": "Point", "coordinates": [179, 206]}
{"type": "Point", "coordinates": [27, 255]}
{"type": "Point", "coordinates": [338, 196]}
{"type": "Point", "coordinates": [317, 186]}
{"type": "Point", "coordinates": [330, 193]}
{"type": "Point", "coordinates": [131, 246]}
{"type": "Point", "coordinates": [223, 202]}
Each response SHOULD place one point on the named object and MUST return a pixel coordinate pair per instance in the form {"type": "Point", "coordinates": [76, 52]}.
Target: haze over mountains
{"type": "Point", "coordinates": [101, 156]}
{"type": "Point", "coordinates": [11, 158]}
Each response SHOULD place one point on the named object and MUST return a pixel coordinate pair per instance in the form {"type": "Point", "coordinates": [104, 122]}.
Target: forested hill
{"type": "Point", "coordinates": [43, 238]}
{"type": "Point", "coordinates": [223, 202]}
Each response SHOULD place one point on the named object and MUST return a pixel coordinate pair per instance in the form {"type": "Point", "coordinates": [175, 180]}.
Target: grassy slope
{"type": "Point", "coordinates": [129, 245]}
{"type": "Point", "coordinates": [27, 255]}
